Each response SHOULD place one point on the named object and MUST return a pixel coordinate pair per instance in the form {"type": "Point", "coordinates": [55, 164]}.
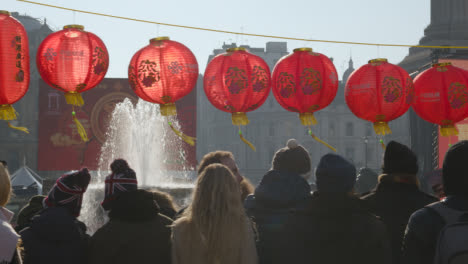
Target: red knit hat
{"type": "Point", "coordinates": [122, 179]}
{"type": "Point", "coordinates": [68, 191]}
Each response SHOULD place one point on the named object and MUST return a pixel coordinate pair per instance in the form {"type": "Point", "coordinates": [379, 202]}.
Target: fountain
{"type": "Point", "coordinates": [140, 135]}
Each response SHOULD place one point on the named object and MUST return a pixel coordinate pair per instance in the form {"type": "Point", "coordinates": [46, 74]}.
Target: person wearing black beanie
{"type": "Point", "coordinates": [335, 226]}
{"type": "Point", "coordinates": [425, 225]}
{"type": "Point", "coordinates": [282, 190]}
{"type": "Point", "coordinates": [397, 194]}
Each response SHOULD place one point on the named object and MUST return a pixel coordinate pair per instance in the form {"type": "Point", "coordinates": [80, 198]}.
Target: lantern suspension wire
{"type": "Point", "coordinates": [245, 34]}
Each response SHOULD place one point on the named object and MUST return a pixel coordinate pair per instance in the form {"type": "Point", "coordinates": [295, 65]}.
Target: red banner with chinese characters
{"type": "Point", "coordinates": [462, 126]}
{"type": "Point", "coordinates": [60, 145]}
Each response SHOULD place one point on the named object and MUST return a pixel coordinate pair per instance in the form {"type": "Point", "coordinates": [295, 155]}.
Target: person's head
{"type": "Point", "coordinates": [217, 212]}
{"type": "Point", "coordinates": [5, 185]}
{"type": "Point", "coordinates": [68, 191]}
{"type": "Point", "coordinates": [34, 206]}
{"type": "Point", "coordinates": [121, 180]}
{"type": "Point", "coordinates": [292, 158]}
{"type": "Point", "coordinates": [166, 203]}
{"type": "Point", "coordinates": [246, 188]}
{"type": "Point", "coordinates": [454, 172]}
{"type": "Point", "coordinates": [399, 159]}
{"type": "Point", "coordinates": [220, 157]}
{"type": "Point", "coordinates": [335, 175]}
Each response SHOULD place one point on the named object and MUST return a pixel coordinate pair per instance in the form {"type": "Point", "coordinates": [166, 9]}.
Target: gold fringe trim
{"type": "Point", "coordinates": [448, 130]}
{"type": "Point", "coordinates": [246, 141]}
{"type": "Point", "coordinates": [168, 109]}
{"type": "Point", "coordinates": [74, 98]}
{"type": "Point", "coordinates": [321, 141]}
{"type": "Point", "coordinates": [24, 129]}
{"type": "Point", "coordinates": [382, 128]}
{"type": "Point", "coordinates": [80, 128]}
{"type": "Point", "coordinates": [307, 119]}
{"type": "Point", "coordinates": [7, 112]}
{"type": "Point", "coordinates": [239, 119]}
{"type": "Point", "coordinates": [187, 139]}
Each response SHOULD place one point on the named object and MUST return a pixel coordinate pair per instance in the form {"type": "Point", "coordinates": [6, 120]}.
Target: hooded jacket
{"type": "Point", "coordinates": [273, 204]}
{"type": "Point", "coordinates": [394, 201]}
{"type": "Point", "coordinates": [135, 233]}
{"type": "Point", "coordinates": [55, 237]}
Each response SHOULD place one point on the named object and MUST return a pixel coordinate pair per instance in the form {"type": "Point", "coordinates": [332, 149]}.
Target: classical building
{"type": "Point", "coordinates": [271, 126]}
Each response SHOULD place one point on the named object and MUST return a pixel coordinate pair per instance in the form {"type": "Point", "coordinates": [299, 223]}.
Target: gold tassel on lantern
{"type": "Point", "coordinates": [307, 119]}
{"type": "Point", "coordinates": [80, 128]}
{"type": "Point", "coordinates": [74, 98]}
{"type": "Point", "coordinates": [7, 112]}
{"type": "Point", "coordinates": [187, 139]}
{"type": "Point", "coordinates": [246, 141]}
{"type": "Point", "coordinates": [239, 119]}
{"type": "Point", "coordinates": [168, 109]}
{"type": "Point", "coordinates": [448, 130]}
{"type": "Point", "coordinates": [321, 141]}
{"type": "Point", "coordinates": [382, 128]}
{"type": "Point", "coordinates": [24, 129]}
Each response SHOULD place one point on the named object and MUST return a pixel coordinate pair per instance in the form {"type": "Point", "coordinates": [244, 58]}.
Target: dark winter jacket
{"type": "Point", "coordinates": [135, 233]}
{"type": "Point", "coordinates": [423, 231]}
{"type": "Point", "coordinates": [273, 204]}
{"type": "Point", "coordinates": [394, 202]}
{"type": "Point", "coordinates": [336, 229]}
{"type": "Point", "coordinates": [55, 237]}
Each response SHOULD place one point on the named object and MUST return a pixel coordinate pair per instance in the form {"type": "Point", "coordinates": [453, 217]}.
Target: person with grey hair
{"type": "Point", "coordinates": [281, 191]}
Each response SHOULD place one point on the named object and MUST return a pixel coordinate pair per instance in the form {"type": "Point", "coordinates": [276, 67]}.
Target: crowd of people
{"type": "Point", "coordinates": [384, 219]}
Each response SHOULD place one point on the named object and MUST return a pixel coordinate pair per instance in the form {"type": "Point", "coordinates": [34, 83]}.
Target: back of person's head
{"type": "Point", "coordinates": [122, 179]}
{"type": "Point", "coordinates": [5, 185]}
{"type": "Point", "coordinates": [399, 159]}
{"type": "Point", "coordinates": [217, 213]}
{"type": "Point", "coordinates": [214, 157]}
{"type": "Point", "coordinates": [454, 171]}
{"type": "Point", "coordinates": [166, 203]}
{"type": "Point", "coordinates": [246, 188]}
{"type": "Point", "coordinates": [335, 174]}
{"type": "Point", "coordinates": [68, 191]}
{"type": "Point", "coordinates": [25, 215]}
{"type": "Point", "coordinates": [292, 158]}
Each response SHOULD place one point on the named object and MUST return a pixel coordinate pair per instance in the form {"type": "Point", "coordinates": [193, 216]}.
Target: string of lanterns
{"type": "Point", "coordinates": [73, 61]}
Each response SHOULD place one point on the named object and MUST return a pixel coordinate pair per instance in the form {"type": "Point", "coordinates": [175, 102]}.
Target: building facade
{"type": "Point", "coordinates": [271, 126]}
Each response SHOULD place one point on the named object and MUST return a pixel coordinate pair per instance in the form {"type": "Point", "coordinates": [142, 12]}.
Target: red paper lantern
{"type": "Point", "coordinates": [305, 82]}
{"type": "Point", "coordinates": [379, 92]}
{"type": "Point", "coordinates": [73, 61]}
{"type": "Point", "coordinates": [237, 82]}
{"type": "Point", "coordinates": [163, 72]}
{"type": "Point", "coordinates": [442, 96]}
{"type": "Point", "coordinates": [14, 65]}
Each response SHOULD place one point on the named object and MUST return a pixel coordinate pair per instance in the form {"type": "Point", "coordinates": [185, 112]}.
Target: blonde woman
{"type": "Point", "coordinates": [214, 229]}
{"type": "Point", "coordinates": [8, 237]}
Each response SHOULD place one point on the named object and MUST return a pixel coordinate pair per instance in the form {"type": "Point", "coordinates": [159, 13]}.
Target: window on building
{"type": "Point", "coordinates": [349, 152]}
{"type": "Point", "coordinates": [368, 130]}
{"type": "Point", "coordinates": [331, 129]}
{"type": "Point", "coordinates": [349, 129]}
{"type": "Point", "coordinates": [271, 130]}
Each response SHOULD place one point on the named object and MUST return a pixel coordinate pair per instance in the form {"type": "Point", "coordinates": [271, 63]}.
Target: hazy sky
{"type": "Point", "coordinates": [396, 21]}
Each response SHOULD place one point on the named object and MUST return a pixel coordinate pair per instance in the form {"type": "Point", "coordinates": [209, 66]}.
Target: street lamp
{"type": "Point", "coordinates": [366, 140]}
